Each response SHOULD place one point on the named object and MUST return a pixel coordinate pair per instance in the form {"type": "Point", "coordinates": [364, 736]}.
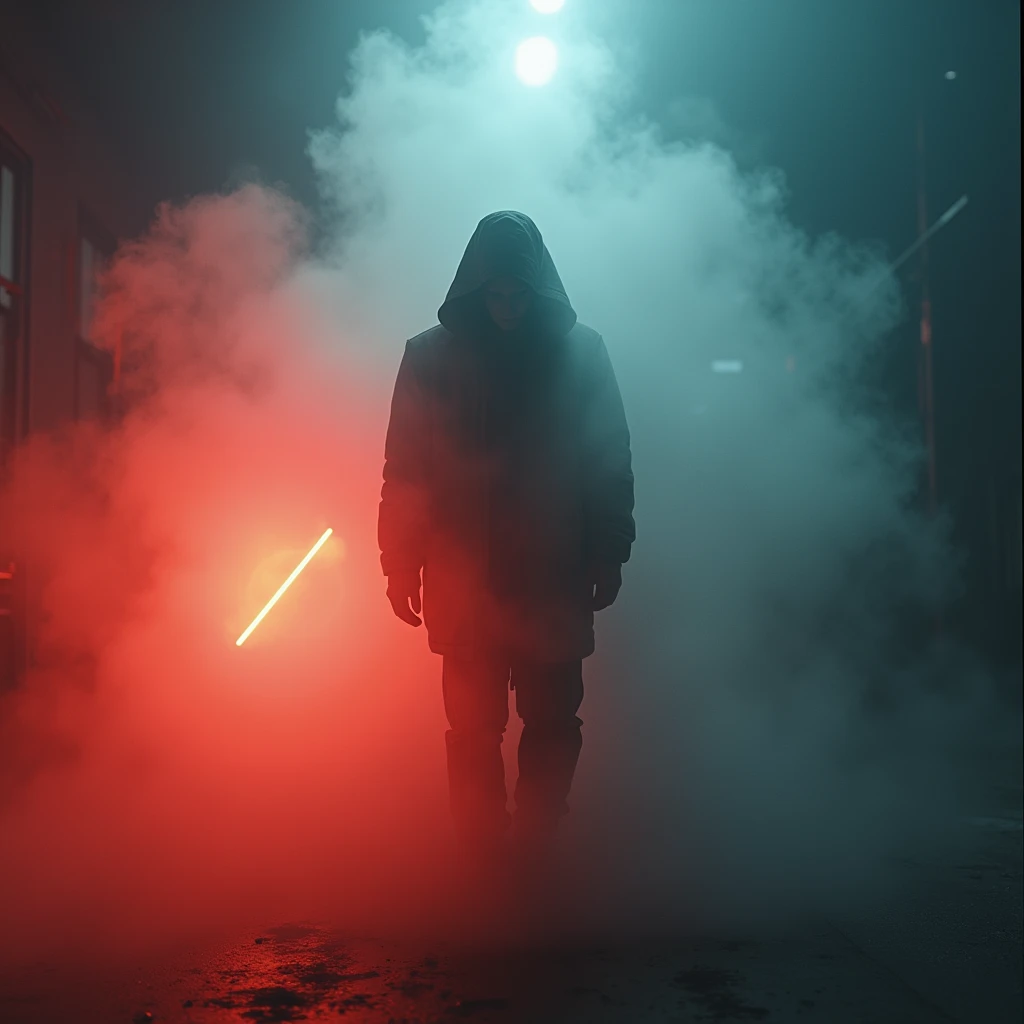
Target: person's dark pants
{"type": "Point", "coordinates": [476, 703]}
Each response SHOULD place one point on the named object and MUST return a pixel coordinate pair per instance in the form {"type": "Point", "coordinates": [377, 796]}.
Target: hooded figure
{"type": "Point", "coordinates": [508, 483]}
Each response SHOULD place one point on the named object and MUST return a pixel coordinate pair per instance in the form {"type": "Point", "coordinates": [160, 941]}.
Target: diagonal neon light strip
{"type": "Point", "coordinates": [284, 586]}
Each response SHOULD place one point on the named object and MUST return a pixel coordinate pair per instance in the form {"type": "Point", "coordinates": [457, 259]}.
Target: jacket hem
{"type": "Point", "coordinates": [469, 650]}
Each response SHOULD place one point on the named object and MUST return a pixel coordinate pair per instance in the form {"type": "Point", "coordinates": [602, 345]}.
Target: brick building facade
{"type": "Point", "coordinates": [65, 199]}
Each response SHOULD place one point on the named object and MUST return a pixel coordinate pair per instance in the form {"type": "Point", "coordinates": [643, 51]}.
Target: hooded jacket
{"type": "Point", "coordinates": [507, 473]}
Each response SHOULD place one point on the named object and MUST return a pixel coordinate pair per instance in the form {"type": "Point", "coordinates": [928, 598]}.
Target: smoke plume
{"type": "Point", "coordinates": [765, 727]}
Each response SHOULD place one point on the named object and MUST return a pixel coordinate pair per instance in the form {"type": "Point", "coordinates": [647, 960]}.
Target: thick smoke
{"type": "Point", "coordinates": [762, 729]}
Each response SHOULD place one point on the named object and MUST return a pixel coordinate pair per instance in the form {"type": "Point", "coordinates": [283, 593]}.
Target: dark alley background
{"type": "Point", "coordinates": [192, 97]}
{"type": "Point", "coordinates": [799, 796]}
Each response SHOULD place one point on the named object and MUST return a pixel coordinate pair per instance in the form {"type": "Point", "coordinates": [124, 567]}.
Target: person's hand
{"type": "Point", "coordinates": [606, 580]}
{"type": "Point", "coordinates": [404, 595]}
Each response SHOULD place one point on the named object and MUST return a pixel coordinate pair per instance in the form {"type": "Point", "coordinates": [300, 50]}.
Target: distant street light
{"type": "Point", "coordinates": [536, 60]}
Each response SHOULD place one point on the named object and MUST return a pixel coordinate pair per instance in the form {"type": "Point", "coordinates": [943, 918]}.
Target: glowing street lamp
{"type": "Point", "coordinates": [284, 586]}
{"type": "Point", "coordinates": [536, 60]}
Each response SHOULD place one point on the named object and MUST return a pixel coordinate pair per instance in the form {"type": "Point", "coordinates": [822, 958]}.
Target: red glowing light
{"type": "Point", "coordinates": [284, 586]}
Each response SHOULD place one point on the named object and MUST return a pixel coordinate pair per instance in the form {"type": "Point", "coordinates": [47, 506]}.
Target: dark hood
{"type": "Point", "coordinates": [506, 243]}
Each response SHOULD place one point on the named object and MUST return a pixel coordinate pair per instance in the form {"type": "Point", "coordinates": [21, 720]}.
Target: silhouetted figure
{"type": "Point", "coordinates": [507, 481]}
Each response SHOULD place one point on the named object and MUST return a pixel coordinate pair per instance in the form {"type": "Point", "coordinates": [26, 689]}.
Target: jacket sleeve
{"type": "Point", "coordinates": [608, 472]}
{"type": "Point", "coordinates": [404, 505]}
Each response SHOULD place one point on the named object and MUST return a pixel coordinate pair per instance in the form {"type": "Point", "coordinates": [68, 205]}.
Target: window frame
{"type": "Point", "coordinates": [14, 423]}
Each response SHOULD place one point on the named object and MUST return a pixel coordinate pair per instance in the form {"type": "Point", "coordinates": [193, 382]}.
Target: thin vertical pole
{"type": "Point", "coordinates": [926, 383]}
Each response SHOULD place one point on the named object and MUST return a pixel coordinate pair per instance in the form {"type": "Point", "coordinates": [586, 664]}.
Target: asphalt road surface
{"type": "Point", "coordinates": [946, 948]}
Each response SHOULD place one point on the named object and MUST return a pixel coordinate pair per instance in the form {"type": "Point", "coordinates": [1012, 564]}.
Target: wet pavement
{"type": "Point", "coordinates": [946, 947]}
{"type": "Point", "coordinates": [296, 973]}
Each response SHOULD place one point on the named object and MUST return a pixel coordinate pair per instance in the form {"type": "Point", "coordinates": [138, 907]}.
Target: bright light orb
{"type": "Point", "coordinates": [547, 6]}
{"type": "Point", "coordinates": [536, 60]}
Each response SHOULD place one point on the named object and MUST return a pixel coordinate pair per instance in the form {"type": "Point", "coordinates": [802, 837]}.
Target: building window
{"type": "Point", "coordinates": [14, 184]}
{"type": "Point", "coordinates": [94, 367]}
{"type": "Point", "coordinates": [13, 205]}
{"type": "Point", "coordinates": [92, 262]}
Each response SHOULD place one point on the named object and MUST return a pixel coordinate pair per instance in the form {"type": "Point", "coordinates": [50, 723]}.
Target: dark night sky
{"type": "Point", "coordinates": [829, 92]}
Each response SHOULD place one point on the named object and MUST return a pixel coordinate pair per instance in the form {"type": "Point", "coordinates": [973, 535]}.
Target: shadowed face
{"type": "Point", "coordinates": [508, 301]}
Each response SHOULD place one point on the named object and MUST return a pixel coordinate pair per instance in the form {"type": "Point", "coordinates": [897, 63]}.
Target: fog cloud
{"type": "Point", "coordinates": [764, 727]}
